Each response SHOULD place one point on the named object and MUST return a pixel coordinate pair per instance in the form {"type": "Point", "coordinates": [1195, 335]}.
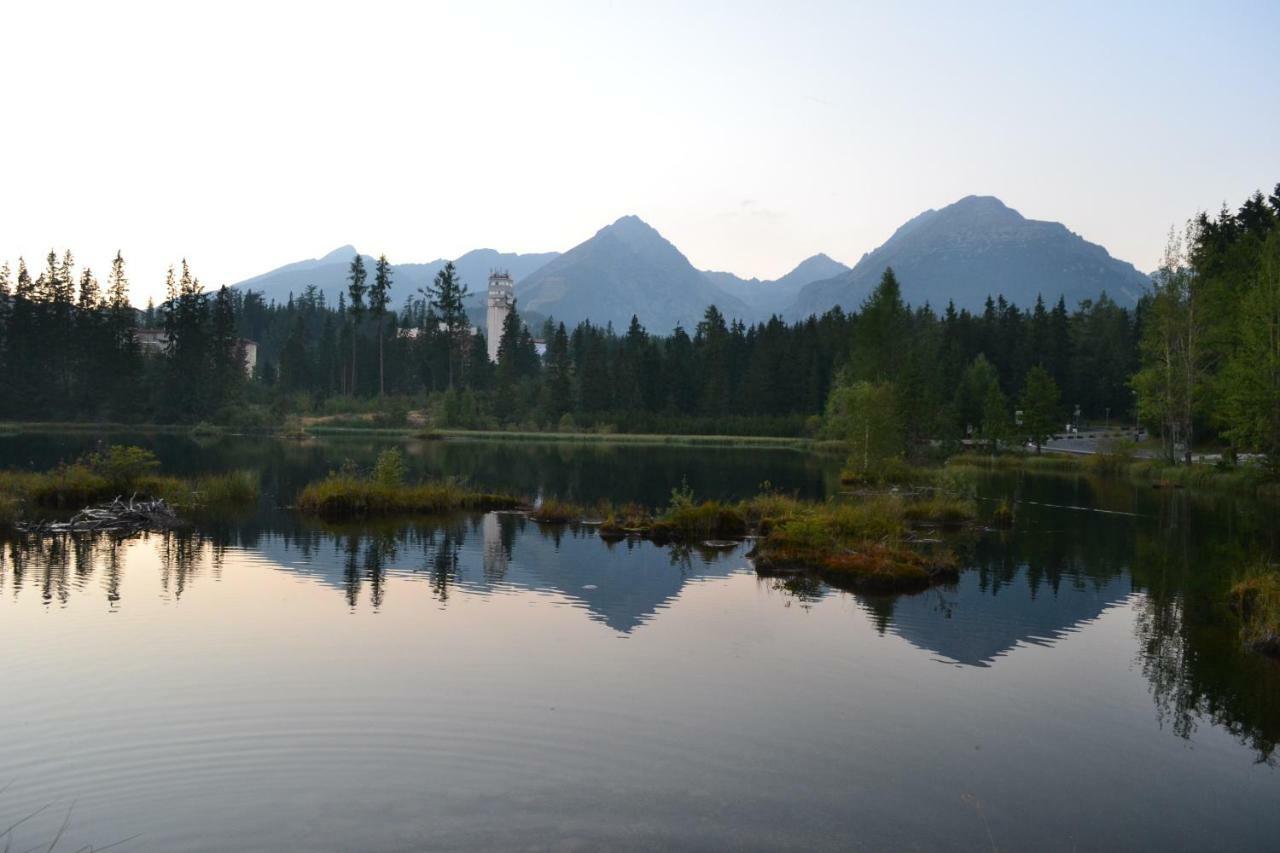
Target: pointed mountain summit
{"type": "Point", "coordinates": [626, 268]}
{"type": "Point", "coordinates": [342, 253]}
{"type": "Point", "coordinates": [977, 247]}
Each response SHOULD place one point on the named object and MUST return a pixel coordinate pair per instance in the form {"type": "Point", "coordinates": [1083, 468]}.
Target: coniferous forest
{"type": "Point", "coordinates": [1196, 360]}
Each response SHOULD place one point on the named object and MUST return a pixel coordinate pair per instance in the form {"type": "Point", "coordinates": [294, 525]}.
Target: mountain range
{"type": "Point", "coordinates": [963, 252]}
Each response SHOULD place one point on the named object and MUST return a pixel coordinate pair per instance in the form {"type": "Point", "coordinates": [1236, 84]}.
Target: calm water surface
{"type": "Point", "coordinates": [478, 682]}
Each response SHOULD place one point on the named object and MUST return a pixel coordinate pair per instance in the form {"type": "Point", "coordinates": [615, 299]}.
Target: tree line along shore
{"type": "Point", "coordinates": [1196, 360]}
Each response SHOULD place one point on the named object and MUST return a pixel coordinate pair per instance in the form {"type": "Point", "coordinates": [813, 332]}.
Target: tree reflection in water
{"type": "Point", "coordinates": [1035, 584]}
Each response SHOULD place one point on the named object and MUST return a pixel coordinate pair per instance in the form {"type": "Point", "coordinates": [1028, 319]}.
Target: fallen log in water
{"type": "Point", "coordinates": [118, 516]}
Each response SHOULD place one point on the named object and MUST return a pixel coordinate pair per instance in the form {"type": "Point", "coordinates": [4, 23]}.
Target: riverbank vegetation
{"type": "Point", "coordinates": [350, 493]}
{"type": "Point", "coordinates": [119, 471]}
{"type": "Point", "coordinates": [1256, 599]}
{"type": "Point", "coordinates": [1241, 478]}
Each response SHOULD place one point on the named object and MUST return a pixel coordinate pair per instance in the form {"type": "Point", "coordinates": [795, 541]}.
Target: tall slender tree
{"type": "Point", "coordinates": [379, 296]}
{"type": "Point", "coordinates": [447, 295]}
{"type": "Point", "coordinates": [355, 308]}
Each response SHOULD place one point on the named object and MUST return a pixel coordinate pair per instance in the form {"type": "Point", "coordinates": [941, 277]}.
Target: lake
{"type": "Point", "coordinates": [478, 682]}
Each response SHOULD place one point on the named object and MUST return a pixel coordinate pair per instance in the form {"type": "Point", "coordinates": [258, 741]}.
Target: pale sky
{"type": "Point", "coordinates": [248, 135]}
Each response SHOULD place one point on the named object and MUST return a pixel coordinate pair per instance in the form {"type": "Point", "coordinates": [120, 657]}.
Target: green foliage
{"type": "Point", "coordinates": [226, 491]}
{"type": "Point", "coordinates": [553, 511]}
{"type": "Point", "coordinates": [389, 470]}
{"type": "Point", "coordinates": [865, 416]}
{"type": "Point", "coordinates": [1040, 406]}
{"type": "Point", "coordinates": [122, 466]}
{"type": "Point", "coordinates": [947, 510]}
{"type": "Point", "coordinates": [681, 496]}
{"type": "Point", "coordinates": [122, 471]}
{"type": "Point", "coordinates": [861, 544]}
{"type": "Point", "coordinates": [688, 521]}
{"type": "Point", "coordinates": [342, 495]}
{"type": "Point", "coordinates": [1250, 378]}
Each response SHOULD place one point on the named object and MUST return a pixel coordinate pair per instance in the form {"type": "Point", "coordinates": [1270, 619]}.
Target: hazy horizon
{"type": "Point", "coordinates": [245, 138]}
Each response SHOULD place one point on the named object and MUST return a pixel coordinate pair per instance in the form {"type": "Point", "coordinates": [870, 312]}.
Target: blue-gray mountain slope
{"type": "Point", "coordinates": [626, 268]}
{"type": "Point", "coordinates": [329, 274]}
{"type": "Point", "coordinates": [975, 248]}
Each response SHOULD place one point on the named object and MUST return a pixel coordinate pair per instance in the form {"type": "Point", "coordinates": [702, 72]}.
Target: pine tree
{"type": "Point", "coordinates": [379, 296]}
{"type": "Point", "coordinates": [880, 332]}
{"type": "Point", "coordinates": [508, 369]}
{"type": "Point", "coordinates": [447, 295]}
{"type": "Point", "coordinates": [356, 290]}
{"type": "Point", "coordinates": [294, 363]}
{"type": "Point", "coordinates": [558, 396]}
{"type": "Point", "coordinates": [478, 369]}
{"type": "Point", "coordinates": [226, 350]}
{"type": "Point", "coordinates": [679, 378]}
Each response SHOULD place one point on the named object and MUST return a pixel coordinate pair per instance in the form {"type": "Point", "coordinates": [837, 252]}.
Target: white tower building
{"type": "Point", "coordinates": [501, 297]}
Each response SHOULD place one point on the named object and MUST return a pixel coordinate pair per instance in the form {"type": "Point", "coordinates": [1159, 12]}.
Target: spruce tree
{"type": "Point", "coordinates": [355, 309]}
{"type": "Point", "coordinates": [379, 296]}
{"type": "Point", "coordinates": [558, 396]}
{"type": "Point", "coordinates": [447, 296]}
{"type": "Point", "coordinates": [509, 368]}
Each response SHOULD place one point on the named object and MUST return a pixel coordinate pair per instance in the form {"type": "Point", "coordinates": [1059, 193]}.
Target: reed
{"type": "Point", "coordinates": [341, 496]}
{"type": "Point", "coordinates": [946, 510]}
{"type": "Point", "coordinates": [552, 511]}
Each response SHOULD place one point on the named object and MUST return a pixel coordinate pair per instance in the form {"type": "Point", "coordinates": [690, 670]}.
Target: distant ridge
{"type": "Point", "coordinates": [770, 297]}
{"type": "Point", "coordinates": [329, 273]}
{"type": "Point", "coordinates": [977, 247]}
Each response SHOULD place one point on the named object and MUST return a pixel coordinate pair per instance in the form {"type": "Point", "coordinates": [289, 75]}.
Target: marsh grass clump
{"type": "Point", "coordinates": [1003, 515]}
{"type": "Point", "coordinates": [946, 510]}
{"type": "Point", "coordinates": [120, 472]}
{"type": "Point", "coordinates": [553, 511]}
{"type": "Point", "coordinates": [888, 472]}
{"type": "Point", "coordinates": [1256, 599]}
{"type": "Point", "coordinates": [218, 491]}
{"type": "Point", "coordinates": [857, 545]}
{"type": "Point", "coordinates": [707, 520]}
{"type": "Point", "coordinates": [768, 507]}
{"type": "Point", "coordinates": [629, 519]}
{"type": "Point", "coordinates": [344, 494]}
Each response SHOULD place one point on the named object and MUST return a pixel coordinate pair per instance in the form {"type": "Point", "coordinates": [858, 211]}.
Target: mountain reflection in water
{"type": "Point", "coordinates": [459, 682]}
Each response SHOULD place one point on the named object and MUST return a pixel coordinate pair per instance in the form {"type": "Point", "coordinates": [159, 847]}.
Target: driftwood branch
{"type": "Point", "coordinates": [118, 516]}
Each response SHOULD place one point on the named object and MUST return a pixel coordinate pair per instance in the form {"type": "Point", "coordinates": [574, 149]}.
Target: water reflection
{"type": "Point", "coordinates": [1108, 626]}
{"type": "Point", "coordinates": [621, 584]}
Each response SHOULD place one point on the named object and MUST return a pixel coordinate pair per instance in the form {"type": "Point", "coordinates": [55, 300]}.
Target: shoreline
{"type": "Point", "coordinates": [424, 434]}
